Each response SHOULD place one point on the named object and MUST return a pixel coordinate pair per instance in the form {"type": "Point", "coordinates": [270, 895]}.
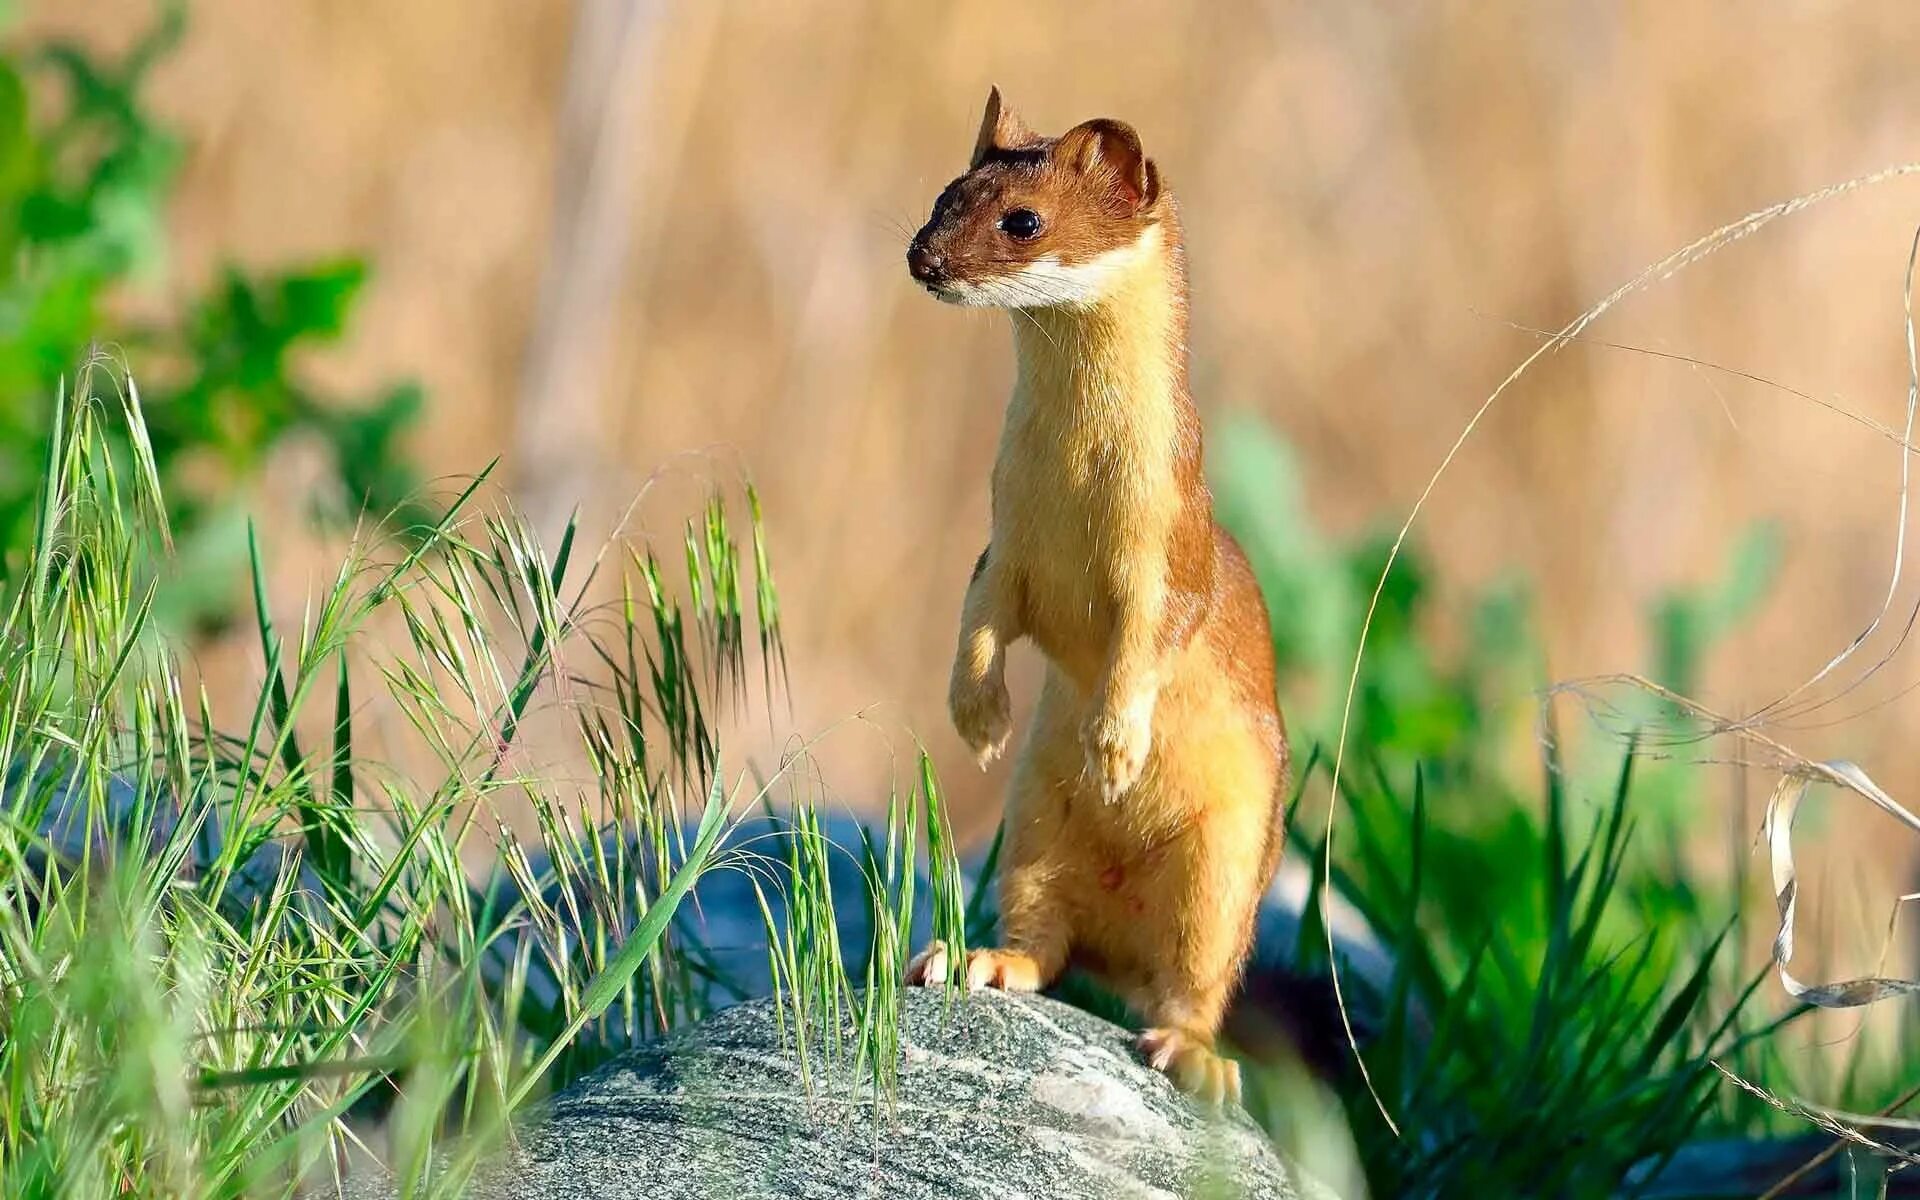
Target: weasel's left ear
{"type": "Point", "coordinates": [1110, 151]}
{"type": "Point", "coordinates": [1000, 129]}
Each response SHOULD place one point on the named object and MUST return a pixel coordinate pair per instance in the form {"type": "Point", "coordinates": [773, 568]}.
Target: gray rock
{"type": "Point", "coordinates": [998, 1096]}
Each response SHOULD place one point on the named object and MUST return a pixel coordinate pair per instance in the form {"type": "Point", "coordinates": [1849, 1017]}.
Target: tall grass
{"type": "Point", "coordinates": [238, 952]}
{"type": "Point", "coordinates": [1572, 1060]}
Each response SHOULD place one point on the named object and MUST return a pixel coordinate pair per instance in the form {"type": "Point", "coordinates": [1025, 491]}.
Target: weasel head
{"type": "Point", "coordinates": [1041, 222]}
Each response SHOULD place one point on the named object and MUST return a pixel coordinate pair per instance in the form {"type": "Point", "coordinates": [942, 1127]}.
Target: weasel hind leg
{"type": "Point", "coordinates": [1209, 892]}
{"type": "Point", "coordinates": [1034, 931]}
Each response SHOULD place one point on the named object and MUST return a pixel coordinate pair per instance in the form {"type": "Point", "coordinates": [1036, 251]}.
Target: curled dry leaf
{"type": "Point", "coordinates": [1782, 807]}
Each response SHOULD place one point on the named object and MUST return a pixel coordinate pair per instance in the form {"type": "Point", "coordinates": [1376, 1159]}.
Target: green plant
{"type": "Point", "coordinates": [1463, 716]}
{"type": "Point", "coordinates": [1568, 1000]}
{"type": "Point", "coordinates": [86, 172]}
{"type": "Point", "coordinates": [1568, 1056]}
{"type": "Point", "coordinates": [225, 945]}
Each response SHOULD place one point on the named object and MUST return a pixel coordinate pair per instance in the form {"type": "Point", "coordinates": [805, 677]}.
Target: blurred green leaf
{"type": "Point", "coordinates": [84, 190]}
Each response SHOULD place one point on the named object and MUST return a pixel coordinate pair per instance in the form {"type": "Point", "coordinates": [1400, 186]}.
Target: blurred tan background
{"type": "Point", "coordinates": [682, 230]}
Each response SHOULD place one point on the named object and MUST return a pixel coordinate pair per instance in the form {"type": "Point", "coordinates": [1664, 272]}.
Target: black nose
{"type": "Point", "coordinates": [925, 265]}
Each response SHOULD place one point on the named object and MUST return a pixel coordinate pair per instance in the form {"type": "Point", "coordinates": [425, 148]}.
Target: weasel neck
{"type": "Point", "coordinates": [1127, 349]}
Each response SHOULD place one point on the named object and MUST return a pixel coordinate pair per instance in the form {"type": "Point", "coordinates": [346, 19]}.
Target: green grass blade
{"type": "Point", "coordinates": [640, 942]}
{"type": "Point", "coordinates": [327, 850]}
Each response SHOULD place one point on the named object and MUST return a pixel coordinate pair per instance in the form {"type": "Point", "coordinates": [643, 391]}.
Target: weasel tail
{"type": "Point", "coordinates": [1144, 817]}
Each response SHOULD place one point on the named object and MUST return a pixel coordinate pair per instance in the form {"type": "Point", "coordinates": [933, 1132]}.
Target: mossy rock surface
{"type": "Point", "coordinates": [999, 1096]}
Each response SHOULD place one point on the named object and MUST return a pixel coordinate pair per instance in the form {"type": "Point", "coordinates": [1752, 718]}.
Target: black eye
{"type": "Point", "coordinates": [1021, 224]}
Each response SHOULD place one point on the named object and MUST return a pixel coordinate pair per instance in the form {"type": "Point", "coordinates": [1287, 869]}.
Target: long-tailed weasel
{"type": "Point", "coordinates": [1145, 818]}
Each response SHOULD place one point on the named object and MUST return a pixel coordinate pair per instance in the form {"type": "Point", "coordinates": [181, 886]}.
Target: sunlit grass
{"type": "Point", "coordinates": [235, 960]}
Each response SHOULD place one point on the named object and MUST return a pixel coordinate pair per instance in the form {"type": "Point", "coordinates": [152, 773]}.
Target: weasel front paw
{"type": "Point", "coordinates": [1117, 745]}
{"type": "Point", "coordinates": [981, 714]}
{"type": "Point", "coordinates": [1192, 1065]}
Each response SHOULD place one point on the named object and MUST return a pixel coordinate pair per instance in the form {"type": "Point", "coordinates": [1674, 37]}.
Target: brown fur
{"type": "Point", "coordinates": [1143, 820]}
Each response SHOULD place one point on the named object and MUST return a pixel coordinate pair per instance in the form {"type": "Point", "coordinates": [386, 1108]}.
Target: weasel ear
{"type": "Point", "coordinates": [1110, 152]}
{"type": "Point", "coordinates": [1000, 129]}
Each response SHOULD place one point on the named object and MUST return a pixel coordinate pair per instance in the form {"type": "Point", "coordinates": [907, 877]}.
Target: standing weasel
{"type": "Point", "coordinates": [1144, 819]}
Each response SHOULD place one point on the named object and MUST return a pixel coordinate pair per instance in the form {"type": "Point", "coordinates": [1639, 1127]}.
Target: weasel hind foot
{"type": "Point", "coordinates": [929, 967]}
{"type": "Point", "coordinates": [1193, 1065]}
{"type": "Point", "coordinates": [1008, 970]}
